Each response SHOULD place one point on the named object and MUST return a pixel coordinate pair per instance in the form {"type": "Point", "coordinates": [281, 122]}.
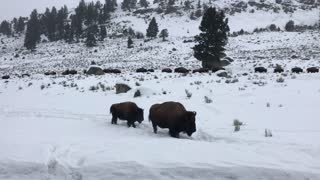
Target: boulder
{"type": "Point", "coordinates": [95, 70]}
{"type": "Point", "coordinates": [222, 74]}
{"type": "Point", "coordinates": [122, 88]}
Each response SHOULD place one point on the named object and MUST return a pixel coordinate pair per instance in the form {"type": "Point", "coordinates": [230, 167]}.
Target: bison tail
{"type": "Point", "coordinates": [111, 109]}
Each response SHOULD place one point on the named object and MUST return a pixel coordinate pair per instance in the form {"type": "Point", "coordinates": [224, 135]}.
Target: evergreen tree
{"type": "Point", "coordinates": [144, 3]}
{"type": "Point", "coordinates": [103, 33]}
{"type": "Point", "coordinates": [5, 28]}
{"type": "Point", "coordinates": [92, 14]}
{"type": "Point", "coordinates": [152, 30]}
{"type": "Point", "coordinates": [212, 39]}
{"type": "Point", "coordinates": [171, 2]}
{"type": "Point", "coordinates": [164, 34]}
{"type": "Point", "coordinates": [76, 26]}
{"type": "Point", "coordinates": [187, 4]}
{"type": "Point", "coordinates": [130, 42]}
{"type": "Point", "coordinates": [199, 4]}
{"type": "Point", "coordinates": [69, 34]}
{"type": "Point", "coordinates": [21, 25]}
{"type": "Point", "coordinates": [61, 18]}
{"type": "Point", "coordinates": [91, 38]}
{"type": "Point", "coordinates": [33, 31]}
{"type": "Point", "coordinates": [15, 24]}
{"type": "Point", "coordinates": [81, 10]}
{"type": "Point", "coordinates": [125, 5]}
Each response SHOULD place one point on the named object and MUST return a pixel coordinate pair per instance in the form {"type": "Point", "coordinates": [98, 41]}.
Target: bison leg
{"type": "Point", "coordinates": [128, 123]}
{"type": "Point", "coordinates": [114, 120]}
{"type": "Point", "coordinates": [133, 125]}
{"type": "Point", "coordinates": [173, 133]}
{"type": "Point", "coordinates": [154, 125]}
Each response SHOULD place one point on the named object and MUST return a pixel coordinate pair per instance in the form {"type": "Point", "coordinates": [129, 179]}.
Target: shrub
{"type": "Point", "coordinates": [189, 94]}
{"type": "Point", "coordinates": [237, 124]}
{"type": "Point", "coordinates": [289, 26]}
{"type": "Point", "coordinates": [207, 100]}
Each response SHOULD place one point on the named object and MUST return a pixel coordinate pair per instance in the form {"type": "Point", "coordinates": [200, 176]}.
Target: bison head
{"type": "Point", "coordinates": [140, 115]}
{"type": "Point", "coordinates": [190, 123]}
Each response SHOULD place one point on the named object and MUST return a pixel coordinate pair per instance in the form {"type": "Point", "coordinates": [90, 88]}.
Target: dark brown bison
{"type": "Point", "coordinates": [126, 111]}
{"type": "Point", "coordinates": [174, 116]}
{"type": "Point", "coordinates": [260, 70]}
{"type": "Point", "coordinates": [278, 70]}
{"type": "Point", "coordinates": [167, 70]}
{"type": "Point", "coordinates": [215, 69]}
{"type": "Point", "coordinates": [296, 70]}
{"type": "Point", "coordinates": [141, 70]}
{"type": "Point", "coordinates": [201, 70]}
{"type": "Point", "coordinates": [312, 70]}
{"type": "Point", "coordinates": [150, 70]}
{"type": "Point", "coordinates": [112, 71]}
{"type": "Point", "coordinates": [66, 72]}
{"type": "Point", "coordinates": [6, 77]}
{"type": "Point", "coordinates": [73, 72]}
{"type": "Point", "coordinates": [181, 70]}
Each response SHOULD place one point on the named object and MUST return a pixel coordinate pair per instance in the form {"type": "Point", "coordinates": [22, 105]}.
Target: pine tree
{"type": "Point", "coordinates": [164, 34]}
{"type": "Point", "coordinates": [152, 30]}
{"type": "Point", "coordinates": [76, 26]}
{"type": "Point", "coordinates": [21, 25]}
{"type": "Point", "coordinates": [68, 35]}
{"type": "Point", "coordinates": [5, 28]}
{"type": "Point", "coordinates": [125, 5]}
{"type": "Point", "coordinates": [15, 24]}
{"type": "Point", "coordinates": [33, 31]}
{"type": "Point", "coordinates": [91, 38]}
{"type": "Point", "coordinates": [187, 4]}
{"type": "Point", "coordinates": [103, 33]}
{"type": "Point", "coordinates": [61, 18]}
{"type": "Point", "coordinates": [144, 3]}
{"type": "Point", "coordinates": [171, 2]}
{"type": "Point", "coordinates": [199, 4]}
{"type": "Point", "coordinates": [212, 39]}
{"type": "Point", "coordinates": [130, 42]}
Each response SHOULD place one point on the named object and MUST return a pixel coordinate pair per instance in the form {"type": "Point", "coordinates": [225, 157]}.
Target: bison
{"type": "Point", "coordinates": [312, 70]}
{"type": "Point", "coordinates": [112, 71]}
{"type": "Point", "coordinates": [260, 70]}
{"type": "Point", "coordinates": [181, 70]}
{"type": "Point", "coordinates": [296, 70]}
{"type": "Point", "coordinates": [172, 115]}
{"type": "Point", "coordinates": [141, 70]}
{"type": "Point", "coordinates": [167, 70]}
{"type": "Point", "coordinates": [201, 70]}
{"type": "Point", "coordinates": [278, 70]}
{"type": "Point", "coordinates": [126, 111]}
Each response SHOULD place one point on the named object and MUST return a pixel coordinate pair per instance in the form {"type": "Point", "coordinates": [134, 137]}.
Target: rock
{"type": "Point", "coordinates": [222, 74]}
{"type": "Point", "coordinates": [95, 70]}
{"type": "Point", "coordinates": [225, 63]}
{"type": "Point", "coordinates": [122, 88]}
{"type": "Point", "coordinates": [137, 94]}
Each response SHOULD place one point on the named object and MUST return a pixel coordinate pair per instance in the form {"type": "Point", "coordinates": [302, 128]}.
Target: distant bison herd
{"type": "Point", "coordinates": [171, 115]}
{"type": "Point", "coordinates": [99, 71]}
{"type": "Point", "coordinates": [281, 70]}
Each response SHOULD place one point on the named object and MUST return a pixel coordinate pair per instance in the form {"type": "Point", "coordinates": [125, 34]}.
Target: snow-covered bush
{"type": "Point", "coordinates": [280, 80]}
{"type": "Point", "coordinates": [207, 100]}
{"type": "Point", "coordinates": [237, 124]}
{"type": "Point", "coordinates": [189, 94]}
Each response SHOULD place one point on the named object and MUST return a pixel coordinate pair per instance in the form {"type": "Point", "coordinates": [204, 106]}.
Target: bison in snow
{"type": "Point", "coordinates": [172, 115]}
{"type": "Point", "coordinates": [126, 111]}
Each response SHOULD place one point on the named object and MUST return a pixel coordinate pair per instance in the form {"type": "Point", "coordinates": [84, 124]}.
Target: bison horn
{"type": "Point", "coordinates": [195, 113]}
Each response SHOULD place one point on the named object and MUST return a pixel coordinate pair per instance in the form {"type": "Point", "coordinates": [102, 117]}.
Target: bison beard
{"type": "Point", "coordinates": [126, 111]}
{"type": "Point", "coordinates": [172, 115]}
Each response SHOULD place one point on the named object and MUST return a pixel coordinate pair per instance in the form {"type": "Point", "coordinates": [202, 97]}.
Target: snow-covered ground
{"type": "Point", "coordinates": [64, 132]}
